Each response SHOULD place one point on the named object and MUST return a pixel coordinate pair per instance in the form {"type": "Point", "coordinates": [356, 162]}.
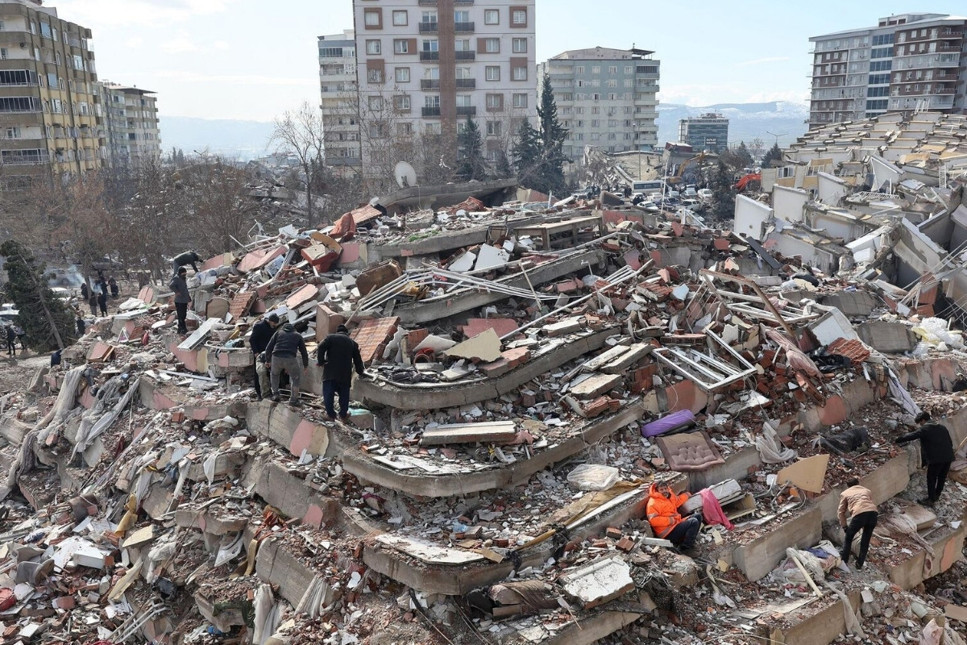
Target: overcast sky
{"type": "Point", "coordinates": [250, 59]}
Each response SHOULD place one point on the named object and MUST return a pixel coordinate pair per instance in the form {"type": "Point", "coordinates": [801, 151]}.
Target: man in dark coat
{"type": "Point", "coordinates": [188, 257]}
{"type": "Point", "coordinates": [261, 335]}
{"type": "Point", "coordinates": [113, 284]}
{"type": "Point", "coordinates": [282, 356]}
{"type": "Point", "coordinates": [937, 450]}
{"type": "Point", "coordinates": [85, 291]}
{"type": "Point", "coordinates": [338, 355]}
{"type": "Point", "coordinates": [179, 285]}
{"type": "Point", "coordinates": [11, 341]}
{"type": "Point", "coordinates": [102, 297]}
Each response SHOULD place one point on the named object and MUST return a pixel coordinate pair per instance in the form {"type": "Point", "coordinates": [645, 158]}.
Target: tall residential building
{"type": "Point", "coordinates": [425, 66]}
{"type": "Point", "coordinates": [606, 98]}
{"type": "Point", "coordinates": [340, 114]}
{"type": "Point", "coordinates": [908, 62]}
{"type": "Point", "coordinates": [130, 117]}
{"type": "Point", "coordinates": [48, 100]}
{"type": "Point", "coordinates": [706, 132]}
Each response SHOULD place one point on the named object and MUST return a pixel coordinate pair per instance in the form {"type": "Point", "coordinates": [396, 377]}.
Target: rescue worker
{"type": "Point", "coordinates": [188, 257]}
{"type": "Point", "coordinates": [667, 522]}
{"type": "Point", "coordinates": [858, 502]}
{"type": "Point", "coordinates": [261, 335]}
{"type": "Point", "coordinates": [937, 450]}
{"type": "Point", "coordinates": [338, 355]}
{"type": "Point", "coordinates": [179, 285]}
{"type": "Point", "coordinates": [280, 355]}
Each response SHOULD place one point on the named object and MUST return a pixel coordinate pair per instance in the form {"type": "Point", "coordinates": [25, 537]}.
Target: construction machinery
{"type": "Point", "coordinates": [680, 177]}
{"type": "Point", "coordinates": [752, 181]}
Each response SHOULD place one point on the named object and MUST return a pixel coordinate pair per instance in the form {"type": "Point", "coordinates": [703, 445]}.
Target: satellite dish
{"type": "Point", "coordinates": [405, 175]}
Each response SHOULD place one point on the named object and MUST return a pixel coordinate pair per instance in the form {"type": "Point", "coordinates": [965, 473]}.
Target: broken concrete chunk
{"type": "Point", "coordinates": [489, 432]}
{"type": "Point", "coordinates": [598, 582]}
{"type": "Point", "coordinates": [484, 347]}
{"type": "Point", "coordinates": [596, 385]}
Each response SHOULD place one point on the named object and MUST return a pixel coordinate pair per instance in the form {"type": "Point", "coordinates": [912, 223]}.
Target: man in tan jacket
{"type": "Point", "coordinates": [858, 500]}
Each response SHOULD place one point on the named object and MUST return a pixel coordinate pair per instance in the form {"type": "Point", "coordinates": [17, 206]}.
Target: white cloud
{"type": "Point", "coordinates": [760, 61]}
{"type": "Point", "coordinates": [228, 79]}
{"type": "Point", "coordinates": [99, 14]}
{"type": "Point", "coordinates": [180, 44]}
{"type": "Point", "coordinates": [134, 42]}
{"type": "Point", "coordinates": [710, 94]}
{"type": "Point", "coordinates": [221, 45]}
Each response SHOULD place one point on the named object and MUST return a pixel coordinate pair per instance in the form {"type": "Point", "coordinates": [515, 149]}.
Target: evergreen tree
{"type": "Point", "coordinates": [743, 155]}
{"type": "Point", "coordinates": [774, 154]}
{"type": "Point", "coordinates": [724, 198]}
{"type": "Point", "coordinates": [552, 136]}
{"type": "Point", "coordinates": [527, 155]}
{"type": "Point", "coordinates": [470, 150]}
{"type": "Point", "coordinates": [503, 168]}
{"type": "Point", "coordinates": [47, 322]}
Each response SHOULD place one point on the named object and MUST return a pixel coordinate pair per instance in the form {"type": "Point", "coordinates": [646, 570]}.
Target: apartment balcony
{"type": "Point", "coordinates": [430, 84]}
{"type": "Point", "coordinates": [25, 84]}
{"type": "Point", "coordinates": [468, 55]}
{"type": "Point", "coordinates": [462, 1]}
{"type": "Point", "coordinates": [429, 27]}
{"type": "Point", "coordinates": [466, 110]}
{"type": "Point", "coordinates": [950, 34]}
{"type": "Point", "coordinates": [429, 56]}
{"type": "Point", "coordinates": [466, 83]}
{"type": "Point", "coordinates": [427, 3]}
{"type": "Point", "coordinates": [430, 111]}
{"type": "Point", "coordinates": [463, 27]}
{"type": "Point", "coordinates": [32, 160]}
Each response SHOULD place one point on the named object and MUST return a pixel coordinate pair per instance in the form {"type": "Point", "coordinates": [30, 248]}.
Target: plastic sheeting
{"type": "Point", "coordinates": [771, 450]}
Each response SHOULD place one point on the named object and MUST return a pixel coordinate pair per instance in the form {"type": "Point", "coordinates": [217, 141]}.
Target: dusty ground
{"type": "Point", "coordinates": [16, 372]}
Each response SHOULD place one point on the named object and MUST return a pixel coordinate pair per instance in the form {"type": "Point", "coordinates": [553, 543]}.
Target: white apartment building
{"type": "Point", "coordinates": [130, 120]}
{"type": "Point", "coordinates": [906, 63]}
{"type": "Point", "coordinates": [340, 114]}
{"type": "Point", "coordinates": [425, 66]}
{"type": "Point", "coordinates": [606, 98]}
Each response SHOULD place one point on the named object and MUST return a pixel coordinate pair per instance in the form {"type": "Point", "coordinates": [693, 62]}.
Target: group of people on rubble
{"type": "Point", "coordinates": [96, 296]}
{"type": "Point", "coordinates": [280, 350]}
{"type": "Point", "coordinates": [857, 512]}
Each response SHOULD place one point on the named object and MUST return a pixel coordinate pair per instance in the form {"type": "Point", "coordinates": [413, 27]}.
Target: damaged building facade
{"type": "Point", "coordinates": [532, 369]}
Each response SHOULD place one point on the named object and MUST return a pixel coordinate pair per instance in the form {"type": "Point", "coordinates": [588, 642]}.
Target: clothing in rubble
{"type": "Point", "coordinates": [937, 449]}
{"type": "Point", "coordinates": [338, 355]}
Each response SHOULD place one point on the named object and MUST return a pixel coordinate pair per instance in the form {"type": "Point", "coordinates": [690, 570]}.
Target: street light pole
{"type": "Point", "coordinates": [777, 135]}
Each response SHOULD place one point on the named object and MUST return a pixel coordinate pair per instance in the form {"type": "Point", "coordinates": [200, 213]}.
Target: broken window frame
{"type": "Point", "coordinates": [688, 363]}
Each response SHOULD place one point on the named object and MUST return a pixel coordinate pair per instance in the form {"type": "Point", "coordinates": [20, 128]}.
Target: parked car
{"type": "Point", "coordinates": [705, 194]}
{"type": "Point", "coordinates": [8, 313]}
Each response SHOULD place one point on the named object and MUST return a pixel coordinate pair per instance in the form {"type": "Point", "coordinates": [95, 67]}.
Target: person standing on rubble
{"type": "Point", "coordinates": [113, 284]}
{"type": "Point", "coordinates": [102, 297]}
{"type": "Point", "coordinates": [188, 257]}
{"type": "Point", "coordinates": [280, 354]}
{"type": "Point", "coordinates": [667, 522]}
{"type": "Point", "coordinates": [11, 341]}
{"type": "Point", "coordinates": [92, 302]}
{"type": "Point", "coordinates": [338, 355]}
{"type": "Point", "coordinates": [179, 285]}
{"type": "Point", "coordinates": [858, 502]}
{"type": "Point", "coordinates": [937, 450]}
{"type": "Point", "coordinates": [261, 335]}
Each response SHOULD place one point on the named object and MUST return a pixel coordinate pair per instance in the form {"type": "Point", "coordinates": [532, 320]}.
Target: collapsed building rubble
{"type": "Point", "coordinates": [532, 369]}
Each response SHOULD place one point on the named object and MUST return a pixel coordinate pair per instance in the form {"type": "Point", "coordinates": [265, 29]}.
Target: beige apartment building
{"type": "Point", "coordinates": [424, 66]}
{"type": "Point", "coordinates": [340, 113]}
{"type": "Point", "coordinates": [130, 119]}
{"type": "Point", "coordinates": [606, 98]}
{"type": "Point", "coordinates": [48, 96]}
{"type": "Point", "coordinates": [906, 63]}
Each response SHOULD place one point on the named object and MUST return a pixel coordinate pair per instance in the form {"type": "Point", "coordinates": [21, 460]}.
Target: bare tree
{"type": "Point", "coordinates": [300, 133]}
{"type": "Point", "coordinates": [216, 196]}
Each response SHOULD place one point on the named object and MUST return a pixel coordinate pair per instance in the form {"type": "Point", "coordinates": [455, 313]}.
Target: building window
{"type": "Point", "coordinates": [461, 17]}
{"type": "Point", "coordinates": [492, 45]}
{"type": "Point", "coordinates": [493, 72]}
{"type": "Point", "coordinates": [495, 102]}
{"type": "Point", "coordinates": [402, 74]}
{"type": "Point", "coordinates": [401, 102]}
{"type": "Point", "coordinates": [375, 103]}
{"type": "Point", "coordinates": [373, 18]}
{"type": "Point", "coordinates": [399, 18]}
{"type": "Point", "coordinates": [431, 45]}
{"type": "Point", "coordinates": [401, 46]}
{"type": "Point", "coordinates": [373, 48]}
{"type": "Point", "coordinates": [612, 82]}
{"type": "Point", "coordinates": [518, 18]}
{"type": "Point", "coordinates": [579, 69]}
{"type": "Point", "coordinates": [461, 45]}
{"type": "Point", "coordinates": [520, 45]}
{"type": "Point", "coordinates": [491, 17]}
{"type": "Point", "coordinates": [432, 101]}
{"type": "Point", "coordinates": [520, 100]}
{"type": "Point", "coordinates": [494, 128]}
{"type": "Point", "coordinates": [520, 73]}
{"type": "Point", "coordinates": [374, 75]}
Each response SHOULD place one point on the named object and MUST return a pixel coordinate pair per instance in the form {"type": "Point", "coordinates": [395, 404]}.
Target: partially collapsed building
{"type": "Point", "coordinates": [533, 369]}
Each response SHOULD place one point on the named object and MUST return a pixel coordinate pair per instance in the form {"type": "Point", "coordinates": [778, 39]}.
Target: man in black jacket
{"type": "Point", "coordinates": [280, 354]}
{"type": "Point", "coordinates": [261, 335]}
{"type": "Point", "coordinates": [188, 257]}
{"type": "Point", "coordinates": [179, 284]}
{"type": "Point", "coordinates": [338, 354]}
{"type": "Point", "coordinates": [937, 450]}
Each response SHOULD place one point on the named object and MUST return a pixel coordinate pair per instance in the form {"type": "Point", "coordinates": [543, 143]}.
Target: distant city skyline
{"type": "Point", "coordinates": [238, 59]}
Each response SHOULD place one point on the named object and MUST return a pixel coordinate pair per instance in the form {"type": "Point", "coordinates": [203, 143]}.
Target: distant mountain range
{"type": "Point", "coordinates": [248, 139]}
{"type": "Point", "coordinates": [746, 120]}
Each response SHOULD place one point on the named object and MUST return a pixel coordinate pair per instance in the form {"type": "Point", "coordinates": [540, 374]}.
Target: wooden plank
{"type": "Point", "coordinates": [490, 432]}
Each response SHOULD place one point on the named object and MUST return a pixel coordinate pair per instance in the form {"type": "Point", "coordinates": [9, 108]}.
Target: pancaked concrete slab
{"type": "Point", "coordinates": [948, 547]}
{"type": "Point", "coordinates": [887, 337]}
{"type": "Point", "coordinates": [288, 428]}
{"type": "Point", "coordinates": [275, 565]}
{"type": "Point", "coordinates": [586, 629]}
{"type": "Point", "coordinates": [757, 558]}
{"type": "Point", "coordinates": [157, 397]}
{"type": "Point", "coordinates": [810, 627]}
{"type": "Point", "coordinates": [420, 483]}
{"type": "Point", "coordinates": [441, 307]}
{"type": "Point", "coordinates": [430, 396]}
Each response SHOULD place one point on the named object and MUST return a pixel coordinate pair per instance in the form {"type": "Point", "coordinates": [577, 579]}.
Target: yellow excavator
{"type": "Point", "coordinates": [679, 178]}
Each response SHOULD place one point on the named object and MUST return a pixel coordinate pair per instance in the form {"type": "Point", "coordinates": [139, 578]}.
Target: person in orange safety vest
{"type": "Point", "coordinates": [666, 521]}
